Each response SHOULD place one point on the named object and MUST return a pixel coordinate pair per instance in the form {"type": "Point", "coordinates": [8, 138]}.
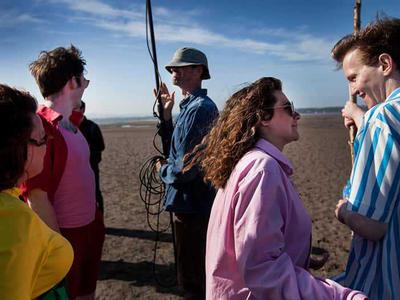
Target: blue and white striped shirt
{"type": "Point", "coordinates": [374, 267]}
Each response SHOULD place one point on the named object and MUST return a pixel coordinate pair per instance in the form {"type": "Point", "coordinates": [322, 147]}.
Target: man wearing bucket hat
{"type": "Point", "coordinates": [189, 57]}
{"type": "Point", "coordinates": [187, 195]}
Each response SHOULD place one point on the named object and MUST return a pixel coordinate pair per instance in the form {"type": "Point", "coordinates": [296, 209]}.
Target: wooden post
{"type": "Point", "coordinates": [353, 98]}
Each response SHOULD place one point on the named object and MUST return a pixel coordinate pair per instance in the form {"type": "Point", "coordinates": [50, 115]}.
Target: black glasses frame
{"type": "Point", "coordinates": [39, 143]}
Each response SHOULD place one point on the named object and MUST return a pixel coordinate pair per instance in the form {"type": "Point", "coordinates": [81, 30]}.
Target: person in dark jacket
{"type": "Point", "coordinates": [92, 133]}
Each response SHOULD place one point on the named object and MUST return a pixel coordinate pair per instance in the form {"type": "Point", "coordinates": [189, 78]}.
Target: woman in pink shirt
{"type": "Point", "coordinates": [259, 234]}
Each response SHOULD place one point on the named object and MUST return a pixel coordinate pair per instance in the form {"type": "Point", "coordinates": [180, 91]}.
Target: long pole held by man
{"type": "Point", "coordinates": [353, 98]}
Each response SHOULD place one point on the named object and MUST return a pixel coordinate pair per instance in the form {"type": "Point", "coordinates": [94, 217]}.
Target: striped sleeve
{"type": "Point", "coordinates": [376, 172]}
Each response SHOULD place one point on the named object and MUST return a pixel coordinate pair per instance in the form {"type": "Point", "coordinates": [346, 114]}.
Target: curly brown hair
{"type": "Point", "coordinates": [235, 131]}
{"type": "Point", "coordinates": [380, 36]}
{"type": "Point", "coordinates": [54, 68]}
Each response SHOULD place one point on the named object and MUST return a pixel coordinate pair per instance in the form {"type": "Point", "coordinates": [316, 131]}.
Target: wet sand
{"type": "Point", "coordinates": [321, 161]}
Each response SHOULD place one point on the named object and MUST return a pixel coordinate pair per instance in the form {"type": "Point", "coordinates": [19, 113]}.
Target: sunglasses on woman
{"type": "Point", "coordinates": [288, 107]}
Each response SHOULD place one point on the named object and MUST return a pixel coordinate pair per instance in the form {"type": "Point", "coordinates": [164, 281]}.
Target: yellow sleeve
{"type": "Point", "coordinates": [56, 263]}
{"type": "Point", "coordinates": [33, 258]}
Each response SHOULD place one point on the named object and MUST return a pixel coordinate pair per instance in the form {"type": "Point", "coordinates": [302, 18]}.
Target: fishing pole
{"type": "Point", "coordinates": [153, 55]}
{"type": "Point", "coordinates": [150, 184]}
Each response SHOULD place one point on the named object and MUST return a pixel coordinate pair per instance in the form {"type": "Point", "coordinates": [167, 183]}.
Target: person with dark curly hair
{"type": "Point", "coordinates": [259, 234]}
{"type": "Point", "coordinates": [370, 206]}
{"type": "Point", "coordinates": [33, 258]}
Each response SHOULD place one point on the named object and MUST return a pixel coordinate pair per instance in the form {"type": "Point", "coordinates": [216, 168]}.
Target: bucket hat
{"type": "Point", "coordinates": [189, 57]}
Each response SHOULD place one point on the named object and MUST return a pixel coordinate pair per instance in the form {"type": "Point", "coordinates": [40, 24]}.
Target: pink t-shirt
{"type": "Point", "coordinates": [75, 197]}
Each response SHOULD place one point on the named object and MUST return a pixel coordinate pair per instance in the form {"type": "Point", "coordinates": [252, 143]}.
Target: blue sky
{"type": "Point", "coordinates": [243, 40]}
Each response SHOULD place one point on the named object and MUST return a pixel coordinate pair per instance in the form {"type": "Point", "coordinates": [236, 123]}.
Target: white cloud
{"type": "Point", "coordinates": [12, 18]}
{"type": "Point", "coordinates": [132, 29]}
{"type": "Point", "coordinates": [176, 16]}
{"type": "Point", "coordinates": [161, 11]}
{"type": "Point", "coordinates": [98, 8]}
{"type": "Point", "coordinates": [317, 47]}
{"type": "Point", "coordinates": [175, 26]}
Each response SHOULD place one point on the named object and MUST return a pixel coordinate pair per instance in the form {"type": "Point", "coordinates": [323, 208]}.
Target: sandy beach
{"type": "Point", "coordinates": [321, 161]}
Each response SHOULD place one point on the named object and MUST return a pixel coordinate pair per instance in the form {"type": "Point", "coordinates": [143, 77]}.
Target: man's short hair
{"type": "Point", "coordinates": [54, 68]}
{"type": "Point", "coordinates": [380, 36]}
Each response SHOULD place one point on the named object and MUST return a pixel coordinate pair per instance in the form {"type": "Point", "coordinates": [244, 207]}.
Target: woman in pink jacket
{"type": "Point", "coordinates": [259, 234]}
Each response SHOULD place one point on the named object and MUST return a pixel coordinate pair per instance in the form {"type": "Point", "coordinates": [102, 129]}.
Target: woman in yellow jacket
{"type": "Point", "coordinates": [33, 258]}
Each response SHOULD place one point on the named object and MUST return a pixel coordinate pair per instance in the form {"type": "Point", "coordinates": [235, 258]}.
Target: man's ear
{"type": "Point", "coordinates": [387, 63]}
{"type": "Point", "coordinates": [71, 83]}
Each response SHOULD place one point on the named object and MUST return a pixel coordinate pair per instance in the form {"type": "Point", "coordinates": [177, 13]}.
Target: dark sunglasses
{"type": "Point", "coordinates": [288, 107]}
{"type": "Point", "coordinates": [38, 143]}
{"type": "Point", "coordinates": [82, 81]}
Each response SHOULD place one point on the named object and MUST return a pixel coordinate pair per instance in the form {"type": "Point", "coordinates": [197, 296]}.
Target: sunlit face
{"type": "Point", "coordinates": [367, 82]}
{"type": "Point", "coordinates": [36, 148]}
{"type": "Point", "coordinates": [187, 76]}
{"type": "Point", "coordinates": [282, 128]}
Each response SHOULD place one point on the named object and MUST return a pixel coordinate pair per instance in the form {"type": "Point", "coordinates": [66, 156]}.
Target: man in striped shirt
{"type": "Point", "coordinates": [371, 60]}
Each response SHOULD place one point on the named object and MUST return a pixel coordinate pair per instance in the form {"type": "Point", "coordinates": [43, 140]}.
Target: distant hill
{"type": "Point", "coordinates": [320, 110]}
{"type": "Point", "coordinates": [303, 111]}
{"type": "Point", "coordinates": [123, 120]}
